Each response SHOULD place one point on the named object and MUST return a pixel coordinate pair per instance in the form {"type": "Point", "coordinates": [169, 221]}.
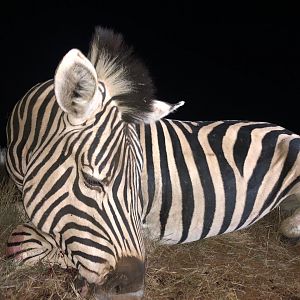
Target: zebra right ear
{"type": "Point", "coordinates": [75, 86]}
{"type": "Point", "coordinates": [159, 110]}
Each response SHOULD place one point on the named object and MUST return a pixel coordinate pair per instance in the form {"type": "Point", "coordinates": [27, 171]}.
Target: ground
{"type": "Point", "coordinates": [255, 263]}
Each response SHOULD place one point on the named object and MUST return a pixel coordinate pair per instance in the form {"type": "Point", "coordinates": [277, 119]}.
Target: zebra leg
{"type": "Point", "coordinates": [29, 245]}
{"type": "Point", "coordinates": [290, 227]}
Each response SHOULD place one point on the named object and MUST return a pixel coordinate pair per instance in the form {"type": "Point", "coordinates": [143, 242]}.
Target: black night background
{"type": "Point", "coordinates": [226, 62]}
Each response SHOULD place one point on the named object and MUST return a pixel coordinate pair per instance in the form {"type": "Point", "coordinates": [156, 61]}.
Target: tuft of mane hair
{"type": "Point", "coordinates": [125, 76]}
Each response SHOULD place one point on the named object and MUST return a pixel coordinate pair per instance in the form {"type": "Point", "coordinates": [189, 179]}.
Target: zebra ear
{"type": "Point", "coordinates": [75, 86]}
{"type": "Point", "coordinates": [159, 110]}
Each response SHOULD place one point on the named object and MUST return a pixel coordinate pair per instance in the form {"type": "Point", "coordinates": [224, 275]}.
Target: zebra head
{"type": "Point", "coordinates": [95, 188]}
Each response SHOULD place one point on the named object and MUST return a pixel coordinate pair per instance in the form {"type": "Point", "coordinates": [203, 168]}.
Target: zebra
{"type": "Point", "coordinates": [100, 167]}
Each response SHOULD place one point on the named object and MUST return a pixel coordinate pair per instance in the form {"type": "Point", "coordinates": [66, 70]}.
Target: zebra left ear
{"type": "Point", "coordinates": [159, 110]}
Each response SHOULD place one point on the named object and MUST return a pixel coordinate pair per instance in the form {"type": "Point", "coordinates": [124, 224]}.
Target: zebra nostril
{"type": "Point", "coordinates": [117, 289]}
{"type": "Point", "coordinates": [118, 284]}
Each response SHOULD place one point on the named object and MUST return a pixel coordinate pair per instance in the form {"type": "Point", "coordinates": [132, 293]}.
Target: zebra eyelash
{"type": "Point", "coordinates": [92, 182]}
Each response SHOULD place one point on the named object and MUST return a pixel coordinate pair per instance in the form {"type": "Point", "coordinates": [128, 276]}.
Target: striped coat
{"type": "Point", "coordinates": [207, 178]}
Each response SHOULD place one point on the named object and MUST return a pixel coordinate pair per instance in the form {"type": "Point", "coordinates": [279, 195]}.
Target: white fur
{"type": "Point", "coordinates": [112, 74]}
{"type": "Point", "coordinates": [160, 109]}
{"type": "Point", "coordinates": [66, 78]}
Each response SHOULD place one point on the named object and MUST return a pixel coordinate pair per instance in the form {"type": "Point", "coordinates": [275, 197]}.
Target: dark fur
{"type": "Point", "coordinates": [138, 101]}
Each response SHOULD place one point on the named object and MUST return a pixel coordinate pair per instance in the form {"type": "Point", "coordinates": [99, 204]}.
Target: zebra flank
{"type": "Point", "coordinates": [99, 168]}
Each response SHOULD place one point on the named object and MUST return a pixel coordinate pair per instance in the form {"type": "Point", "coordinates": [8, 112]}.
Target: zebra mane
{"type": "Point", "coordinates": [125, 76]}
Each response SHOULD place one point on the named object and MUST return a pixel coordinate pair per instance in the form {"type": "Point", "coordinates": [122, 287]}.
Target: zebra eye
{"type": "Point", "coordinates": [92, 182]}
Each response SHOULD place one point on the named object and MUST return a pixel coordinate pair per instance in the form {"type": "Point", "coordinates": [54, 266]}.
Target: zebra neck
{"type": "Point", "coordinates": [160, 145]}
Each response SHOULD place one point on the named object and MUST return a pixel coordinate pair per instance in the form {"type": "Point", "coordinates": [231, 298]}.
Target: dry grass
{"type": "Point", "coordinates": [250, 264]}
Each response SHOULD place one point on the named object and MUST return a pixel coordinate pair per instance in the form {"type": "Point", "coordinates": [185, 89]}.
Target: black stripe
{"type": "Point", "coordinates": [243, 142]}
{"type": "Point", "coordinates": [293, 151]}
{"type": "Point", "coordinates": [58, 184]}
{"type": "Point", "coordinates": [38, 254]}
{"type": "Point", "coordinates": [136, 148]}
{"type": "Point", "coordinates": [39, 233]}
{"type": "Point", "coordinates": [19, 252]}
{"type": "Point", "coordinates": [53, 114]}
{"type": "Point", "coordinates": [204, 175]}
{"type": "Point", "coordinates": [20, 233]}
{"type": "Point", "coordinates": [127, 184]}
{"type": "Point", "coordinates": [56, 164]}
{"type": "Point", "coordinates": [21, 105]}
{"type": "Point", "coordinates": [46, 214]}
{"type": "Point", "coordinates": [25, 242]}
{"type": "Point", "coordinates": [106, 150]}
{"type": "Point", "coordinates": [84, 229]}
{"type": "Point", "coordinates": [95, 143]}
{"type": "Point", "coordinates": [262, 167]}
{"type": "Point", "coordinates": [104, 90]}
{"type": "Point", "coordinates": [215, 139]}
{"type": "Point", "coordinates": [37, 167]}
{"type": "Point", "coordinates": [185, 181]}
{"type": "Point", "coordinates": [44, 148]}
{"type": "Point", "coordinates": [15, 150]}
{"type": "Point", "coordinates": [120, 209]}
{"type": "Point", "coordinates": [150, 168]}
{"type": "Point", "coordinates": [40, 114]}
{"type": "Point", "coordinates": [285, 191]}
{"type": "Point", "coordinates": [273, 198]}
{"type": "Point", "coordinates": [88, 242]}
{"type": "Point", "coordinates": [117, 227]}
{"type": "Point", "coordinates": [71, 210]}
{"type": "Point", "coordinates": [89, 202]}
{"type": "Point", "coordinates": [166, 190]}
{"type": "Point", "coordinates": [92, 258]}
{"type": "Point", "coordinates": [82, 265]}
{"type": "Point", "coordinates": [27, 125]}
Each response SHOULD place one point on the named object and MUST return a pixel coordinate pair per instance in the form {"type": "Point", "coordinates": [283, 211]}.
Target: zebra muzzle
{"type": "Point", "coordinates": [126, 281]}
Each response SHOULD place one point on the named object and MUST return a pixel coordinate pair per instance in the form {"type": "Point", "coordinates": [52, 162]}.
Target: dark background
{"type": "Point", "coordinates": [226, 61]}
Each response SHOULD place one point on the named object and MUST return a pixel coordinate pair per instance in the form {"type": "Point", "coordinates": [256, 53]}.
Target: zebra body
{"type": "Point", "coordinates": [207, 178]}
{"type": "Point", "coordinates": [96, 163]}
